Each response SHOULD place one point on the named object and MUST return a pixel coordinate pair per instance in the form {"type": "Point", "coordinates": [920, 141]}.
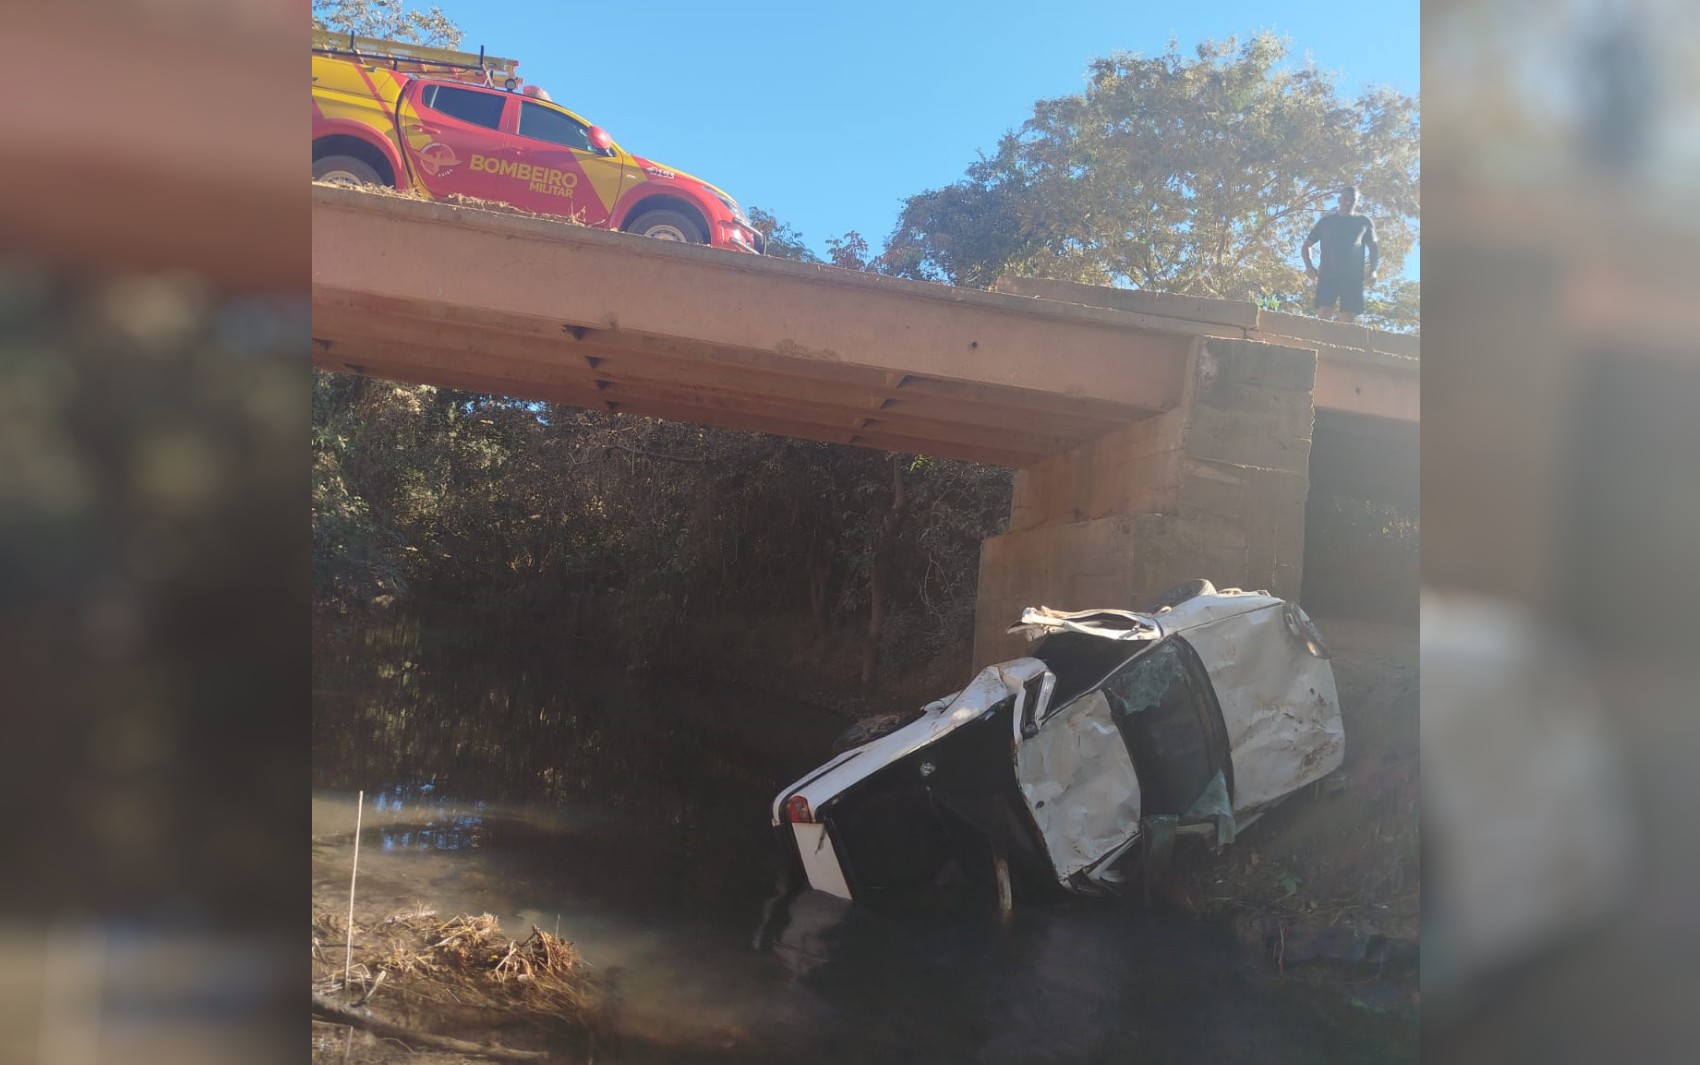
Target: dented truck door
{"type": "Point", "coordinates": [1276, 691]}
{"type": "Point", "coordinates": [1078, 782]}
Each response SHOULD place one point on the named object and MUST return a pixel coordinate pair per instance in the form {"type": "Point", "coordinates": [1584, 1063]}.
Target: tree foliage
{"type": "Point", "coordinates": [529, 511]}
{"type": "Point", "coordinates": [1198, 176]}
{"type": "Point", "coordinates": [783, 241]}
{"type": "Point", "coordinates": [1394, 305]}
{"type": "Point", "coordinates": [387, 19]}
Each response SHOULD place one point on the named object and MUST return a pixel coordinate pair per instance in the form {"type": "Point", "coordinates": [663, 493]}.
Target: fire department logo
{"type": "Point", "coordinates": [438, 158]}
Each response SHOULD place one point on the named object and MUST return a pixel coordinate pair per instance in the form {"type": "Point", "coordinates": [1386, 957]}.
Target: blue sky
{"type": "Point", "coordinates": [830, 115]}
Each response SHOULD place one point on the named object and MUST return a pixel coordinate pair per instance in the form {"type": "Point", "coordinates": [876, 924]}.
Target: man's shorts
{"type": "Point", "coordinates": [1347, 292]}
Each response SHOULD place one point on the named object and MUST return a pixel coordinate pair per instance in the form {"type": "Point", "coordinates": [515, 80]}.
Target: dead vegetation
{"type": "Point", "coordinates": [457, 199]}
{"type": "Point", "coordinates": [413, 969]}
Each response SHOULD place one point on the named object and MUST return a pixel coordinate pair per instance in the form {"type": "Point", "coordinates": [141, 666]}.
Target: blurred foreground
{"type": "Point", "coordinates": [153, 539]}
{"type": "Point", "coordinates": [1561, 506]}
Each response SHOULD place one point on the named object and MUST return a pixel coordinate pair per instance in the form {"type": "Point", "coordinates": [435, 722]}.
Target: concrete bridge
{"type": "Point", "coordinates": [1155, 438]}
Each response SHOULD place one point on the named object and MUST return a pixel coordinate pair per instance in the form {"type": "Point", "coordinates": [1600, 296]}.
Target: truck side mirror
{"type": "Point", "coordinates": [600, 140]}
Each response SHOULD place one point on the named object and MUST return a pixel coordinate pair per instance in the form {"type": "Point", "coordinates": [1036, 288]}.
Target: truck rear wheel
{"type": "Point", "coordinates": [668, 225]}
{"type": "Point", "coordinates": [345, 170]}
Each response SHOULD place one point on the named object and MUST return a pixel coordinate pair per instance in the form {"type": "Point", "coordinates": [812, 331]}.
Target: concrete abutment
{"type": "Point", "coordinates": [1214, 487]}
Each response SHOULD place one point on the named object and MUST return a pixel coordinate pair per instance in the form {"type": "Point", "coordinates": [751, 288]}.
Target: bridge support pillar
{"type": "Point", "coordinates": [1214, 487]}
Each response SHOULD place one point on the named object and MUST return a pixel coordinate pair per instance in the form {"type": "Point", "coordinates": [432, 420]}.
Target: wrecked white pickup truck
{"type": "Point", "coordinates": [1048, 770]}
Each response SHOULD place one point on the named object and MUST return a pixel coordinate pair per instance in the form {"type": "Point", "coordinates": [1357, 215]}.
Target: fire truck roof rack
{"type": "Point", "coordinates": [476, 68]}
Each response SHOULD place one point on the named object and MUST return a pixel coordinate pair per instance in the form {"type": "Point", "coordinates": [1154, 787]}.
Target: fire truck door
{"type": "Point", "coordinates": [556, 169]}
{"type": "Point", "coordinates": [450, 131]}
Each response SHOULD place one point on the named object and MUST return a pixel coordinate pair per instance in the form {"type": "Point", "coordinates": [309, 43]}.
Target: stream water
{"type": "Point", "coordinates": [632, 815]}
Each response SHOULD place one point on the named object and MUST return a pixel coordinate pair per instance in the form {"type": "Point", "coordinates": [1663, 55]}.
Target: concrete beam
{"type": "Point", "coordinates": [726, 415]}
{"type": "Point", "coordinates": [593, 389]}
{"type": "Point", "coordinates": [1230, 314]}
{"type": "Point", "coordinates": [347, 337]}
{"type": "Point", "coordinates": [1359, 370]}
{"type": "Point", "coordinates": [386, 268]}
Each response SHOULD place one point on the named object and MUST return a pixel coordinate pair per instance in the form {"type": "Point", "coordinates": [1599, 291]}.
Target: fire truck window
{"type": "Point", "coordinates": [468, 105]}
{"type": "Point", "coordinates": [546, 124]}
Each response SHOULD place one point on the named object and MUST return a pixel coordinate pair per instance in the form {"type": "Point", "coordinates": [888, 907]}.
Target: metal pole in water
{"type": "Point", "coordinates": [348, 949]}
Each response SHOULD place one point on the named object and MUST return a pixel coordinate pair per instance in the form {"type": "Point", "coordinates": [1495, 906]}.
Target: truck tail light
{"type": "Point", "coordinates": [797, 810]}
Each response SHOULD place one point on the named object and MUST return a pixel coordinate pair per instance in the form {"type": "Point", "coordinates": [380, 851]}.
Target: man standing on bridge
{"type": "Point", "coordinates": [1344, 237]}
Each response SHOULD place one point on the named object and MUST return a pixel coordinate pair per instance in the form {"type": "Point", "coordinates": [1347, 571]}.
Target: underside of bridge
{"type": "Point", "coordinates": [1153, 443]}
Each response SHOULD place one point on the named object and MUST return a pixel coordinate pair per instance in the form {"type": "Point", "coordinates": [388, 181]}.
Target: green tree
{"type": "Point", "coordinates": [1198, 176]}
{"type": "Point", "coordinates": [852, 252]}
{"type": "Point", "coordinates": [1396, 306]}
{"type": "Point", "coordinates": [387, 19]}
{"type": "Point", "coordinates": [523, 512]}
{"type": "Point", "coordinates": [783, 241]}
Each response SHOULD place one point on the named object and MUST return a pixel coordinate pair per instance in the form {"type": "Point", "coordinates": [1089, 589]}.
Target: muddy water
{"type": "Point", "coordinates": [632, 815]}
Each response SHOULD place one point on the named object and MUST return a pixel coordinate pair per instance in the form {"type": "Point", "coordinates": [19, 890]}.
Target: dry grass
{"type": "Point", "coordinates": [415, 959]}
{"type": "Point", "coordinates": [460, 200]}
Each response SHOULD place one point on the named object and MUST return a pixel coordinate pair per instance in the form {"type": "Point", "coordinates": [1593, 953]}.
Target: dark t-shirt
{"type": "Point", "coordinates": [1343, 238]}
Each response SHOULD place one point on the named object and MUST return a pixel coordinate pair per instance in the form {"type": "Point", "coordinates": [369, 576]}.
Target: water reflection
{"type": "Point", "coordinates": [396, 797]}
{"type": "Point", "coordinates": [459, 834]}
{"type": "Point", "coordinates": [799, 927]}
{"type": "Point", "coordinates": [1080, 982]}
{"type": "Point", "coordinates": [444, 831]}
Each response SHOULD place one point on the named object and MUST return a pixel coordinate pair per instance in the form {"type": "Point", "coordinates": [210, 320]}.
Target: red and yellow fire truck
{"type": "Point", "coordinates": [445, 122]}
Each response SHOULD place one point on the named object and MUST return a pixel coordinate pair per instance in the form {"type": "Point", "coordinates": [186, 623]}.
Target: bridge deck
{"type": "Point", "coordinates": [504, 303]}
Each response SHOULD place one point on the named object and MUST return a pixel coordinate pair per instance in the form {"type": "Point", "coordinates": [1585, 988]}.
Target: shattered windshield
{"type": "Point", "coordinates": [1080, 662]}
{"type": "Point", "coordinates": [1170, 726]}
{"type": "Point", "coordinates": [1137, 689]}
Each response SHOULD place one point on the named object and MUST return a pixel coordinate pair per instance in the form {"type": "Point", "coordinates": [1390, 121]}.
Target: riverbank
{"type": "Point", "coordinates": [403, 978]}
{"type": "Point", "coordinates": [409, 974]}
{"type": "Point", "coordinates": [550, 783]}
{"type": "Point", "coordinates": [1327, 886]}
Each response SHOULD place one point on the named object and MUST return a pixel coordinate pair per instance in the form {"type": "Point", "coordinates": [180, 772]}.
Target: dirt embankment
{"type": "Point", "coordinates": [1329, 882]}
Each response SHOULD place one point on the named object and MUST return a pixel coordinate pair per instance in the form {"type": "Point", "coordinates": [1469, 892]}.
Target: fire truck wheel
{"type": "Point", "coordinates": [345, 170]}
{"type": "Point", "coordinates": [667, 225]}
